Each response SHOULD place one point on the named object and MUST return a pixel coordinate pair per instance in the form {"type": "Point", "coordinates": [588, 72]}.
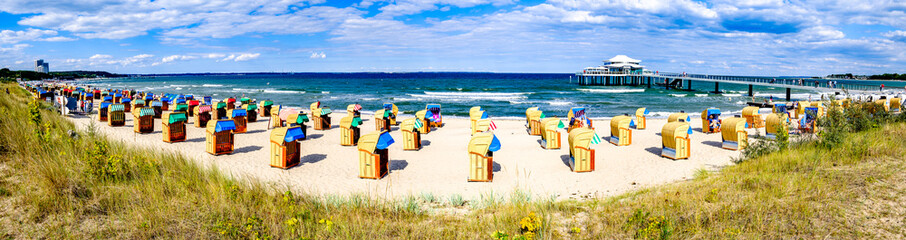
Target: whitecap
{"type": "Point", "coordinates": [677, 95]}
{"type": "Point", "coordinates": [620, 90]}
{"type": "Point", "coordinates": [212, 85]}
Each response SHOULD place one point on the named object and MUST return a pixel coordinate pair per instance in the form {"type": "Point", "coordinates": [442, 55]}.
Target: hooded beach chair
{"type": "Point", "coordinates": [118, 98]}
{"type": "Point", "coordinates": [143, 120]}
{"type": "Point", "coordinates": [202, 115]}
{"type": "Point", "coordinates": [230, 103]}
{"type": "Point", "coordinates": [641, 122]}
{"type": "Point", "coordinates": [174, 126]}
{"type": "Point", "coordinates": [550, 134]}
{"type": "Point", "coordinates": [434, 116]}
{"type": "Point", "coordinates": [349, 130]}
{"type": "Point", "coordinates": [821, 109]}
{"type": "Point", "coordinates": [800, 108]}
{"type": "Point", "coordinates": [895, 104]}
{"type": "Point", "coordinates": [733, 133]}
{"type": "Point", "coordinates": [192, 104]}
{"type": "Point", "coordinates": [245, 101]}
{"type": "Point", "coordinates": [275, 121]}
{"type": "Point", "coordinates": [97, 94]}
{"type": "Point", "coordinates": [219, 111]}
{"type": "Point", "coordinates": [578, 119]}
{"type": "Point", "coordinates": [164, 104]}
{"type": "Point", "coordinates": [320, 116]}
{"type": "Point", "coordinates": [393, 110]}
{"type": "Point", "coordinates": [883, 104]}
{"type": "Point", "coordinates": [382, 120]}
{"type": "Point", "coordinates": [181, 107]}
{"type": "Point", "coordinates": [675, 140]}
{"type": "Point", "coordinates": [219, 137]}
{"type": "Point", "coordinates": [116, 115]}
{"type": "Point", "coordinates": [127, 102]}
{"type": "Point", "coordinates": [252, 112]}
{"type": "Point", "coordinates": [780, 108]}
{"type": "Point", "coordinates": [481, 156]}
{"type": "Point", "coordinates": [158, 107]}
{"type": "Point", "coordinates": [291, 117]}
{"type": "Point", "coordinates": [207, 100]}
{"type": "Point", "coordinates": [711, 120]}
{"type": "Point", "coordinates": [374, 161]}
{"type": "Point", "coordinates": [753, 117]}
{"type": "Point", "coordinates": [423, 127]}
{"type": "Point", "coordinates": [675, 117]}
{"type": "Point", "coordinates": [581, 155]}
{"type": "Point", "coordinates": [474, 115]}
{"type": "Point", "coordinates": [775, 123]}
{"type": "Point", "coordinates": [533, 120]}
{"type": "Point", "coordinates": [620, 130]}
{"type": "Point", "coordinates": [808, 120]}
{"type": "Point", "coordinates": [239, 116]}
{"type": "Point", "coordinates": [265, 107]}
{"type": "Point", "coordinates": [102, 111]}
{"type": "Point", "coordinates": [412, 139]}
{"type": "Point", "coordinates": [285, 148]}
{"type": "Point", "coordinates": [298, 120]}
{"type": "Point", "coordinates": [354, 110]}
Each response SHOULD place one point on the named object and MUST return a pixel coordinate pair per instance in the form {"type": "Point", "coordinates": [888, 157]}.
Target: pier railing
{"type": "Point", "coordinates": [826, 84]}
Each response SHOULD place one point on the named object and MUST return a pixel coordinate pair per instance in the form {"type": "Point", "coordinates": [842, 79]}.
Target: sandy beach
{"type": "Point", "coordinates": [441, 166]}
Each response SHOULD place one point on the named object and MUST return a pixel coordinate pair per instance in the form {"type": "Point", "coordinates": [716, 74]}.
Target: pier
{"type": "Point", "coordinates": [625, 71]}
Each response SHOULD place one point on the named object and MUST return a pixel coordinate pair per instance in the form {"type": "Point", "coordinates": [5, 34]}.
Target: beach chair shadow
{"type": "Point", "coordinates": [201, 139]}
{"type": "Point", "coordinates": [398, 164]}
{"type": "Point", "coordinates": [697, 130]}
{"type": "Point", "coordinates": [312, 158]}
{"type": "Point", "coordinates": [654, 150]}
{"type": "Point", "coordinates": [247, 149]}
{"type": "Point", "coordinates": [314, 136]}
{"type": "Point", "coordinates": [255, 131]}
{"type": "Point", "coordinates": [713, 144]}
{"type": "Point", "coordinates": [496, 167]}
{"type": "Point", "coordinates": [565, 159]}
{"type": "Point", "coordinates": [426, 143]}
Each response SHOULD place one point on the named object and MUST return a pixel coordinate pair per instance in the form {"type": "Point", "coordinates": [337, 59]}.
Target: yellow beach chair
{"type": "Point", "coordinates": [620, 133]}
{"type": "Point", "coordinates": [202, 115]}
{"type": "Point", "coordinates": [420, 116]}
{"type": "Point", "coordinates": [474, 115]}
{"type": "Point", "coordinates": [158, 108]}
{"type": "Point", "coordinates": [275, 121]}
{"type": "Point", "coordinates": [733, 133]}
{"type": "Point", "coordinates": [481, 156]}
{"type": "Point", "coordinates": [711, 120]}
{"type": "Point", "coordinates": [382, 120]}
{"type": "Point", "coordinates": [251, 112]}
{"type": "Point", "coordinates": [675, 140]}
{"type": "Point", "coordinates": [174, 126]}
{"type": "Point", "coordinates": [143, 120]}
{"type": "Point", "coordinates": [675, 117]}
{"type": "Point", "coordinates": [884, 104]}
{"type": "Point", "coordinates": [821, 109]}
{"type": "Point", "coordinates": [752, 117]}
{"type": "Point", "coordinates": [373, 155]}
{"type": "Point", "coordinates": [550, 136]}
{"type": "Point", "coordinates": [102, 111]}
{"type": "Point", "coordinates": [412, 140]}
{"type": "Point", "coordinates": [394, 111]}
{"type": "Point", "coordinates": [285, 149]}
{"type": "Point", "coordinates": [219, 111]}
{"type": "Point", "coordinates": [800, 108]}
{"type": "Point", "coordinates": [641, 122]}
{"type": "Point", "coordinates": [349, 130]}
{"type": "Point", "coordinates": [265, 107]}
{"type": "Point", "coordinates": [895, 104]}
{"type": "Point", "coordinates": [320, 116]}
{"type": "Point", "coordinates": [116, 115]}
{"type": "Point", "coordinates": [774, 124]}
{"type": "Point", "coordinates": [534, 120]}
{"type": "Point", "coordinates": [353, 109]}
{"type": "Point", "coordinates": [219, 136]}
{"type": "Point", "coordinates": [581, 155]}
{"type": "Point", "coordinates": [239, 115]}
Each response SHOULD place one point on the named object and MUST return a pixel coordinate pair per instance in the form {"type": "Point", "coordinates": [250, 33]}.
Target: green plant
{"type": "Point", "coordinates": [455, 200]}
{"type": "Point", "coordinates": [646, 226]}
{"type": "Point", "coordinates": [101, 164]}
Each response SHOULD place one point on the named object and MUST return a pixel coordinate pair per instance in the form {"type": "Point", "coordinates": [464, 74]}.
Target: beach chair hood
{"type": "Point", "coordinates": [220, 126]}
{"type": "Point", "coordinates": [619, 122]}
{"type": "Point", "coordinates": [285, 113]}
{"type": "Point", "coordinates": [181, 107]}
{"type": "Point", "coordinates": [204, 109]}
{"type": "Point", "coordinates": [672, 130]}
{"type": "Point", "coordinates": [408, 125]}
{"type": "Point", "coordinates": [237, 113]}
{"type": "Point", "coordinates": [287, 134]}
{"type": "Point", "coordinates": [146, 111]}
{"type": "Point", "coordinates": [484, 142]}
{"type": "Point", "coordinates": [174, 117]}
{"type": "Point", "coordinates": [375, 140]}
{"type": "Point", "coordinates": [730, 127]}
{"type": "Point", "coordinates": [297, 118]}
{"type": "Point", "coordinates": [434, 110]}
{"type": "Point", "coordinates": [117, 107]}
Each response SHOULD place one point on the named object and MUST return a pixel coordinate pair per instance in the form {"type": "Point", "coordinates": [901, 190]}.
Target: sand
{"type": "Point", "coordinates": [441, 166]}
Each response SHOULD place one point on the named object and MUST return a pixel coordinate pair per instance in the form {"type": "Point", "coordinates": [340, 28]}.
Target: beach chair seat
{"type": "Point", "coordinates": [143, 120]}
{"type": "Point", "coordinates": [349, 130]}
{"type": "Point", "coordinates": [102, 111]}
{"type": "Point", "coordinates": [239, 117]}
{"type": "Point", "coordinates": [733, 133]}
{"type": "Point", "coordinates": [321, 118]}
{"type": "Point", "coordinates": [219, 111]}
{"type": "Point", "coordinates": [373, 151]}
{"type": "Point", "coordinates": [423, 126]}
{"type": "Point", "coordinates": [620, 132]}
{"type": "Point", "coordinates": [581, 155]}
{"type": "Point", "coordinates": [275, 121]}
{"type": "Point", "coordinates": [219, 137]}
{"type": "Point", "coordinates": [265, 108]}
{"type": "Point", "coordinates": [481, 156]}
{"type": "Point", "coordinates": [533, 121]}
{"type": "Point", "coordinates": [298, 120]}
{"type": "Point", "coordinates": [202, 115]}
{"type": "Point", "coordinates": [394, 111]}
{"type": "Point", "coordinates": [382, 120]}
{"type": "Point", "coordinates": [286, 151]}
{"type": "Point", "coordinates": [550, 137]}
{"type": "Point", "coordinates": [354, 110]}
{"type": "Point", "coordinates": [675, 140]}
{"type": "Point", "coordinates": [251, 112]}
{"type": "Point", "coordinates": [116, 115]}
{"type": "Point", "coordinates": [412, 140]}
{"type": "Point", "coordinates": [711, 120]}
{"type": "Point", "coordinates": [174, 126]}
{"type": "Point", "coordinates": [158, 108]}
{"type": "Point", "coordinates": [641, 122]}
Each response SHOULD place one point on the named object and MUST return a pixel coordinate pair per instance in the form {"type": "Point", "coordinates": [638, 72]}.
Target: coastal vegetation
{"type": "Point", "coordinates": [60, 182]}
{"type": "Point", "coordinates": [9, 75]}
{"type": "Point", "coordinates": [891, 76]}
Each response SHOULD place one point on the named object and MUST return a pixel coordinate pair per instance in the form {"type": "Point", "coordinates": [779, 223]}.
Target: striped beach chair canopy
{"type": "Point", "coordinates": [146, 112]}
{"type": "Point", "coordinates": [117, 107]}
{"type": "Point", "coordinates": [204, 108]}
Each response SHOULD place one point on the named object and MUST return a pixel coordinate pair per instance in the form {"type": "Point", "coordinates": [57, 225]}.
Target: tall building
{"type": "Point", "coordinates": [41, 66]}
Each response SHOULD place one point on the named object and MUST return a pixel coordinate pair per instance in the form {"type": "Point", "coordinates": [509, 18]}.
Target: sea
{"type": "Point", "coordinates": [501, 95]}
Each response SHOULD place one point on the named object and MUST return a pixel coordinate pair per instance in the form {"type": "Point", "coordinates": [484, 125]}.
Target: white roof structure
{"type": "Point", "coordinates": [622, 59]}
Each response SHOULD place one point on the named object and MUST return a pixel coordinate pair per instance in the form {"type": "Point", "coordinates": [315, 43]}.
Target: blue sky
{"type": "Point", "coordinates": [746, 37]}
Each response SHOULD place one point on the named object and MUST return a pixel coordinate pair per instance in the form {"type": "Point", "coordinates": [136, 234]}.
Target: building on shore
{"type": "Point", "coordinates": [41, 66]}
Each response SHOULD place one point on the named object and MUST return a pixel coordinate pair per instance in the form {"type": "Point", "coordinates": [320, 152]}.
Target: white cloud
{"type": "Point", "coordinates": [100, 56]}
{"type": "Point", "coordinates": [898, 35]}
{"type": "Point", "coordinates": [31, 34]}
{"type": "Point", "coordinates": [407, 7]}
{"type": "Point", "coordinates": [172, 58]}
{"type": "Point", "coordinates": [241, 57]}
{"type": "Point", "coordinates": [214, 55]}
{"type": "Point", "coordinates": [316, 55]}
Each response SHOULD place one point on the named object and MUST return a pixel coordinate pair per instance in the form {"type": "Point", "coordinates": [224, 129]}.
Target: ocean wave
{"type": "Point", "coordinates": [212, 85]}
{"type": "Point", "coordinates": [518, 102]}
{"type": "Point", "coordinates": [598, 90]}
{"type": "Point", "coordinates": [461, 96]}
{"type": "Point", "coordinates": [325, 92]}
{"type": "Point", "coordinates": [677, 95]}
{"type": "Point", "coordinates": [283, 91]}
{"type": "Point", "coordinates": [701, 94]}
{"type": "Point", "coordinates": [370, 99]}
{"type": "Point", "coordinates": [732, 95]}
{"type": "Point", "coordinates": [559, 103]}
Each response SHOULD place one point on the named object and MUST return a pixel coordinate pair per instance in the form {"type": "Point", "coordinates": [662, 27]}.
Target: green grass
{"type": "Point", "coordinates": [56, 186]}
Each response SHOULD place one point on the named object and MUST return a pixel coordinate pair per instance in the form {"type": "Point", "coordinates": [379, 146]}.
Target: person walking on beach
{"type": "Point", "coordinates": [882, 87]}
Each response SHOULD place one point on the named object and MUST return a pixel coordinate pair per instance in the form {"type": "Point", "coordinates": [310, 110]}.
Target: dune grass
{"type": "Point", "coordinates": [56, 182]}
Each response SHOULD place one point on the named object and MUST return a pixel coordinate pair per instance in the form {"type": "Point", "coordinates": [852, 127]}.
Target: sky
{"type": "Point", "coordinates": [737, 37]}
